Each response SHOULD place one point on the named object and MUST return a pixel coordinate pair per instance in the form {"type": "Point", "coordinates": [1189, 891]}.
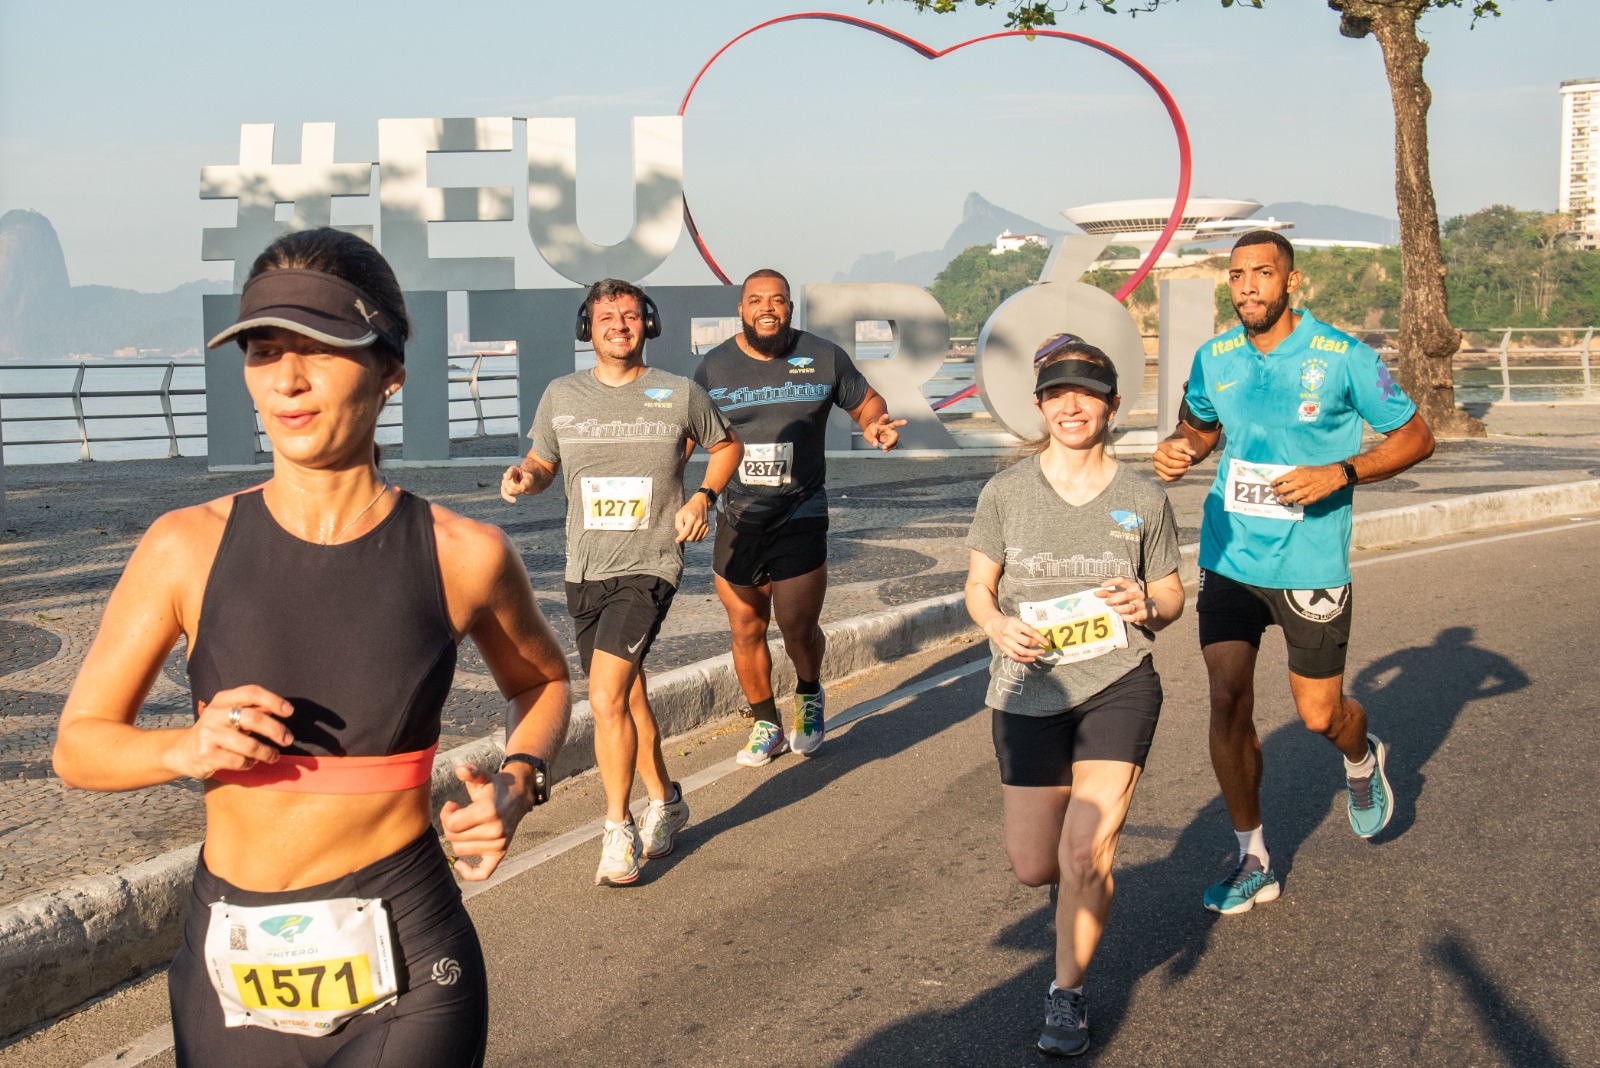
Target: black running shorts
{"type": "Point", "coordinates": [1115, 724]}
{"type": "Point", "coordinates": [1316, 623]}
{"type": "Point", "coordinates": [442, 1013]}
{"type": "Point", "coordinates": [620, 616]}
{"type": "Point", "coordinates": [757, 557]}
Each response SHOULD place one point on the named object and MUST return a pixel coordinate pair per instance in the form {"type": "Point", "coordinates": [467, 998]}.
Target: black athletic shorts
{"type": "Point", "coordinates": [1115, 724]}
{"type": "Point", "coordinates": [755, 557]}
{"type": "Point", "coordinates": [1316, 623]}
{"type": "Point", "coordinates": [441, 1016]}
{"type": "Point", "coordinates": [620, 616]}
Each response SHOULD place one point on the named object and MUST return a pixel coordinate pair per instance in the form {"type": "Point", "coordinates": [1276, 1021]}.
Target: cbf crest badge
{"type": "Point", "coordinates": [1313, 373]}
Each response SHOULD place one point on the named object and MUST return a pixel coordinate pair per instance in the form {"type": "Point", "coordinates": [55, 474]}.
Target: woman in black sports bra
{"type": "Point", "coordinates": [321, 613]}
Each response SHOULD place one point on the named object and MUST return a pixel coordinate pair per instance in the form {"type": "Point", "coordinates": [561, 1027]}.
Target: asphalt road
{"type": "Point", "coordinates": [856, 908]}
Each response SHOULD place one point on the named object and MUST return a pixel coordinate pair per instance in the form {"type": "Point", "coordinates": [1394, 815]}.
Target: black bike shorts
{"type": "Point", "coordinates": [441, 1016]}
{"type": "Point", "coordinates": [1117, 723]}
{"type": "Point", "coordinates": [1316, 623]}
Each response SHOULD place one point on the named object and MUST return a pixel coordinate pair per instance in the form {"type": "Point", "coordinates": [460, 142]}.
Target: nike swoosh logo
{"type": "Point", "coordinates": [1224, 385]}
{"type": "Point", "coordinates": [634, 648]}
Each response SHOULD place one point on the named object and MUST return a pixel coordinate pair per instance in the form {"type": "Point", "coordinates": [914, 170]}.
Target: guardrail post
{"type": "Point", "coordinates": [166, 410]}
{"type": "Point", "coordinates": [477, 395]}
{"type": "Point", "coordinates": [1583, 358]}
{"type": "Point", "coordinates": [1505, 366]}
{"type": "Point", "coordinates": [77, 408]}
{"type": "Point", "coordinates": [2, 472]}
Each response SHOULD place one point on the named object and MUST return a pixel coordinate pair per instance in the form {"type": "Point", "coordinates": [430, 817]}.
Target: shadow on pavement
{"type": "Point", "coordinates": [1415, 696]}
{"type": "Point", "coordinates": [1516, 1034]}
{"type": "Point", "coordinates": [869, 740]}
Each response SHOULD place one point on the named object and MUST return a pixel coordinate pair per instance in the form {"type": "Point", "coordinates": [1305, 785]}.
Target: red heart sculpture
{"type": "Point", "coordinates": [930, 53]}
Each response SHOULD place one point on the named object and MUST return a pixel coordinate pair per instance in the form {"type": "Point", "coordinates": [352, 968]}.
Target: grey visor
{"type": "Point", "coordinates": [320, 306]}
{"type": "Point", "coordinates": [1077, 373]}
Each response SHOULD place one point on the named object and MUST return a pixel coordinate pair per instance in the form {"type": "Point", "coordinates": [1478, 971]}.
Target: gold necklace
{"type": "Point", "coordinates": [340, 533]}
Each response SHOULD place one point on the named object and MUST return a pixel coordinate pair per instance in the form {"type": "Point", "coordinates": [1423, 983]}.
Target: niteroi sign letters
{"type": "Point", "coordinates": [413, 186]}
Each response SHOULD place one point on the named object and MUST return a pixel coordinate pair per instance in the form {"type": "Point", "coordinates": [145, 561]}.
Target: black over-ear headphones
{"type": "Point", "coordinates": [652, 319]}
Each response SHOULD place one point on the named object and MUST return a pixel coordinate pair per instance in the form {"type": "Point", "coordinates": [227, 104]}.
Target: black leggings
{"type": "Point", "coordinates": [440, 1019]}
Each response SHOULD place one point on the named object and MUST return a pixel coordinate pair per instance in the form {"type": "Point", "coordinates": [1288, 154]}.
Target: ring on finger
{"type": "Point", "coordinates": [235, 715]}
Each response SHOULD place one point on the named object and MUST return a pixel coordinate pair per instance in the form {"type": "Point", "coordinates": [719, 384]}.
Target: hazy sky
{"type": "Point", "coordinates": [806, 145]}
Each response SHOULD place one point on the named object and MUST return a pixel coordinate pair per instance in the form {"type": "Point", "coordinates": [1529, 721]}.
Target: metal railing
{"type": "Point", "coordinates": [87, 390]}
{"type": "Point", "coordinates": [78, 395]}
{"type": "Point", "coordinates": [483, 389]}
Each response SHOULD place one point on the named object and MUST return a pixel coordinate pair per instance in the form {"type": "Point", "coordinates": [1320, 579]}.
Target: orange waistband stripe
{"type": "Point", "coordinates": [338, 775]}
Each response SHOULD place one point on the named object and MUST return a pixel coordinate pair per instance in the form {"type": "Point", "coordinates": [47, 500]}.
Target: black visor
{"type": "Point", "coordinates": [1077, 373]}
{"type": "Point", "coordinates": [320, 306]}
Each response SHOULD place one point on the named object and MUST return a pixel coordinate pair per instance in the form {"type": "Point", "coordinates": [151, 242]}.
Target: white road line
{"type": "Point", "coordinates": [154, 1043]}
{"type": "Point", "coordinates": [1386, 557]}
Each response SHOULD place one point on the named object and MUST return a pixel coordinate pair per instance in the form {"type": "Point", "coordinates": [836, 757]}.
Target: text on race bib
{"type": "Point", "coordinates": [616, 503]}
{"type": "Point", "coordinates": [1248, 491]}
{"type": "Point", "coordinates": [301, 968]}
{"type": "Point", "coordinates": [1080, 626]}
{"type": "Point", "coordinates": [767, 464]}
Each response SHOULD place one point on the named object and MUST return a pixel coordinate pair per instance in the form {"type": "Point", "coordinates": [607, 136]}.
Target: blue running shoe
{"type": "Point", "coordinates": [1066, 1024]}
{"type": "Point", "coordinates": [1240, 891]}
{"type": "Point", "coordinates": [1370, 802]}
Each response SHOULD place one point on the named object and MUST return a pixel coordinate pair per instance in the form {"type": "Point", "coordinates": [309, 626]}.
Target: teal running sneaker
{"type": "Point", "coordinates": [806, 738]}
{"type": "Point", "coordinates": [1242, 890]}
{"type": "Point", "coordinates": [1066, 1024]}
{"type": "Point", "coordinates": [1370, 802]}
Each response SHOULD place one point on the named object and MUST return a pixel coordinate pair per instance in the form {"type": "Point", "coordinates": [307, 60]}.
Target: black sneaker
{"type": "Point", "coordinates": [1066, 1024]}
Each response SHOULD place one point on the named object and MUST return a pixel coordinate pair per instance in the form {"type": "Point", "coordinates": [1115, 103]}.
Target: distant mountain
{"type": "Point", "coordinates": [44, 317]}
{"type": "Point", "coordinates": [981, 222]}
{"type": "Point", "coordinates": [1327, 222]}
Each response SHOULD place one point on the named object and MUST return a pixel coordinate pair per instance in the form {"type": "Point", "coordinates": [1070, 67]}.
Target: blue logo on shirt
{"type": "Point", "coordinates": [658, 394]}
{"type": "Point", "coordinates": [801, 361]}
{"type": "Point", "coordinates": [1387, 384]}
{"type": "Point", "coordinates": [1127, 520]}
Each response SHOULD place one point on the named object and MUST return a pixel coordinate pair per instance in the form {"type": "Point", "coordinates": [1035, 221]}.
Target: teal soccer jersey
{"type": "Point", "coordinates": [1300, 405]}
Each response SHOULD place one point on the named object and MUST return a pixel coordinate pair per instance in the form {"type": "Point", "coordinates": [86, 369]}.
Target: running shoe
{"type": "Point", "coordinates": [619, 855]}
{"type": "Point", "coordinates": [662, 822]}
{"type": "Point", "coordinates": [806, 738]}
{"type": "Point", "coordinates": [1370, 802]}
{"type": "Point", "coordinates": [1241, 891]}
{"type": "Point", "coordinates": [1066, 1024]}
{"type": "Point", "coordinates": [766, 741]}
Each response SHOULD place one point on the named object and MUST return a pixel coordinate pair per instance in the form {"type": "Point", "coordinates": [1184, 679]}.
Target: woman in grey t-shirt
{"type": "Point", "coordinates": [1074, 565]}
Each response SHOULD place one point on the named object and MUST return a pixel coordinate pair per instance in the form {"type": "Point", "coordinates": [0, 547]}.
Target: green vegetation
{"type": "Point", "coordinates": [976, 282]}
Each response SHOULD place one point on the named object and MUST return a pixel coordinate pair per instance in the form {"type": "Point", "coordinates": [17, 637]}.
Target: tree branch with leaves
{"type": "Point", "coordinates": [1427, 342]}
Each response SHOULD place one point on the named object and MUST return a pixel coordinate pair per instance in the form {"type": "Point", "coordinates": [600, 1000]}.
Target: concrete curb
{"type": "Point", "coordinates": [61, 948]}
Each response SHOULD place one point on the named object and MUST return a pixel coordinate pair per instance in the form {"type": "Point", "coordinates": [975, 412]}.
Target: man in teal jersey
{"type": "Point", "coordinates": [1291, 393]}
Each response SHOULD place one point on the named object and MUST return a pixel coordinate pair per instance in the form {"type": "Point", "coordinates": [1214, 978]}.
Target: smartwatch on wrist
{"type": "Point", "coordinates": [711, 495]}
{"type": "Point", "coordinates": [1349, 469]}
{"type": "Point", "coordinates": [541, 774]}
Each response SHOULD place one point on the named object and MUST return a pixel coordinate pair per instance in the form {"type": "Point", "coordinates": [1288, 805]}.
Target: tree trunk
{"type": "Point", "coordinates": [1427, 341]}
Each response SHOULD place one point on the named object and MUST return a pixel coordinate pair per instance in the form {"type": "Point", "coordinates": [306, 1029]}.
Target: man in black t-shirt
{"type": "Point", "coordinates": [776, 385]}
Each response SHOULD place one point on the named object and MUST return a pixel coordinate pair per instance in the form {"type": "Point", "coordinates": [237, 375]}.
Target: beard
{"type": "Point", "coordinates": [775, 345]}
{"type": "Point", "coordinates": [1268, 318]}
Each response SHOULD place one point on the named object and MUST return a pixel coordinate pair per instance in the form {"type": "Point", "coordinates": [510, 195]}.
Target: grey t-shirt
{"type": "Point", "coordinates": [1046, 549]}
{"type": "Point", "coordinates": [621, 453]}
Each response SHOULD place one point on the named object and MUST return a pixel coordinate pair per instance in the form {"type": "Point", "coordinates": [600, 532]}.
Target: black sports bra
{"type": "Point", "coordinates": [356, 635]}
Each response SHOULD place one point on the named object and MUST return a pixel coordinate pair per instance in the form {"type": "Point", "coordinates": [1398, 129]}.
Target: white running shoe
{"type": "Point", "coordinates": [619, 855]}
{"type": "Point", "coordinates": [766, 741]}
{"type": "Point", "coordinates": [662, 821]}
{"type": "Point", "coordinates": [806, 738]}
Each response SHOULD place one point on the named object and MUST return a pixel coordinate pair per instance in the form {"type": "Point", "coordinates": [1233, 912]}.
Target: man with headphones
{"type": "Point", "coordinates": [621, 435]}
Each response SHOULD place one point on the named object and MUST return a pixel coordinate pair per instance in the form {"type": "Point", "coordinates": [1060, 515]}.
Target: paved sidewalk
{"type": "Point", "coordinates": [898, 531]}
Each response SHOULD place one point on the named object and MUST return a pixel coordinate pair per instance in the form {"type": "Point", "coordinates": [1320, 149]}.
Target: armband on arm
{"type": "Point", "coordinates": [1186, 415]}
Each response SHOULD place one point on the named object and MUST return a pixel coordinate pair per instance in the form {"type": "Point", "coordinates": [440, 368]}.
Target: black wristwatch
{"type": "Point", "coordinates": [711, 495]}
{"type": "Point", "coordinates": [1350, 476]}
{"type": "Point", "coordinates": [541, 774]}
